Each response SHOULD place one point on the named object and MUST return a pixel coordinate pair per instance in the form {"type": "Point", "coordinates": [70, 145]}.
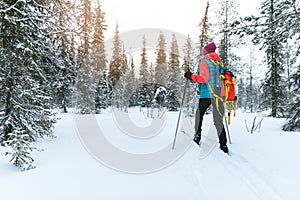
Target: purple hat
{"type": "Point", "coordinates": [210, 47]}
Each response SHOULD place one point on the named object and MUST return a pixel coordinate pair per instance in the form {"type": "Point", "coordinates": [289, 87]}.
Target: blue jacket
{"type": "Point", "coordinates": [208, 72]}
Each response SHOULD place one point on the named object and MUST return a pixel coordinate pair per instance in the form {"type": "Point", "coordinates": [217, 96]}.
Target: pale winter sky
{"type": "Point", "coordinates": [175, 15]}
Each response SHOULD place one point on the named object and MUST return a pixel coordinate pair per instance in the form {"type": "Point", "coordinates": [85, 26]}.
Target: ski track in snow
{"type": "Point", "coordinates": [195, 177]}
{"type": "Point", "coordinates": [202, 190]}
{"type": "Point", "coordinates": [241, 169]}
{"type": "Point", "coordinates": [247, 173]}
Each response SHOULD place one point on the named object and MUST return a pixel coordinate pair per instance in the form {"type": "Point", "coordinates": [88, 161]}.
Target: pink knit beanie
{"type": "Point", "coordinates": [210, 47]}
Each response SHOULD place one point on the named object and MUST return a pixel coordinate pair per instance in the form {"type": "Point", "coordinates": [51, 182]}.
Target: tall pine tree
{"type": "Point", "coordinates": [174, 76]}
{"type": "Point", "coordinates": [192, 63]}
{"type": "Point", "coordinates": [64, 70]}
{"type": "Point", "coordinates": [274, 84]}
{"type": "Point", "coordinates": [161, 68]}
{"type": "Point", "coordinates": [293, 118]}
{"type": "Point", "coordinates": [25, 60]}
{"type": "Point", "coordinates": [99, 60]}
{"type": "Point", "coordinates": [115, 65]}
{"type": "Point", "coordinates": [86, 82]}
{"type": "Point", "coordinates": [144, 76]}
{"type": "Point", "coordinates": [205, 35]}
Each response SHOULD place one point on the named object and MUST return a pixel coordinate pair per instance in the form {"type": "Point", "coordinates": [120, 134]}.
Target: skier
{"type": "Point", "coordinates": [209, 73]}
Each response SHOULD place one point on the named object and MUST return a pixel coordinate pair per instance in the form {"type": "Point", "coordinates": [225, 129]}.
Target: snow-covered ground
{"type": "Point", "coordinates": [261, 165]}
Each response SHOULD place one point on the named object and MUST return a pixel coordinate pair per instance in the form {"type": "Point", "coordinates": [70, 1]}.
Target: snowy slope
{"type": "Point", "coordinates": [260, 166]}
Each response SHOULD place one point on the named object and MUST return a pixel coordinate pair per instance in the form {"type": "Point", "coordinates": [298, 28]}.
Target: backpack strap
{"type": "Point", "coordinates": [216, 97]}
{"type": "Point", "coordinates": [222, 69]}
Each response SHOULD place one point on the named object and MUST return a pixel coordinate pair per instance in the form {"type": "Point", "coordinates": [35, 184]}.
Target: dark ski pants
{"type": "Point", "coordinates": [217, 117]}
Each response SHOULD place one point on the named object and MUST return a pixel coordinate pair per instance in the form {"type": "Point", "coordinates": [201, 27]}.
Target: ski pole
{"type": "Point", "coordinates": [227, 130]}
{"type": "Point", "coordinates": [179, 115]}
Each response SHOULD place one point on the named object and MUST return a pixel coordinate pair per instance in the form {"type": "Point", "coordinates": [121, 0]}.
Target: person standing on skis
{"type": "Point", "coordinates": [208, 73]}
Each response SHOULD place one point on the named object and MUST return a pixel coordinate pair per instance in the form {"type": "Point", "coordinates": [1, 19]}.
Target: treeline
{"type": "Point", "coordinates": [52, 55]}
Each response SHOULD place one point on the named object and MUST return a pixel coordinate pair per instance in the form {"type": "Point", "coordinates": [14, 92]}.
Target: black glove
{"type": "Point", "coordinates": [188, 74]}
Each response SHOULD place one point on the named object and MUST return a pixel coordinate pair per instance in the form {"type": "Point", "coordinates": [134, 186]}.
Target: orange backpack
{"type": "Point", "coordinates": [228, 80]}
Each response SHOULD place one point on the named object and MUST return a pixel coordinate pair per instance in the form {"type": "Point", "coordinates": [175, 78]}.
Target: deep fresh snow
{"type": "Point", "coordinates": [261, 165]}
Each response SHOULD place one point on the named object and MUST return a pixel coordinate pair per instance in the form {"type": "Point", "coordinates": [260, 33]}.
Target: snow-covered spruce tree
{"type": "Point", "coordinates": [151, 73]}
{"type": "Point", "coordinates": [145, 86]}
{"type": "Point", "coordinates": [126, 87]}
{"type": "Point", "coordinates": [133, 82]}
{"type": "Point", "coordinates": [142, 93]}
{"type": "Point", "coordinates": [189, 62]}
{"type": "Point", "coordinates": [103, 92]}
{"type": "Point", "coordinates": [144, 75]}
{"type": "Point", "coordinates": [174, 77]}
{"type": "Point", "coordinates": [99, 58]}
{"type": "Point", "coordinates": [173, 66]}
{"type": "Point", "coordinates": [188, 53]}
{"type": "Point", "coordinates": [25, 104]}
{"type": "Point", "coordinates": [121, 90]}
{"type": "Point", "coordinates": [293, 118]}
{"type": "Point", "coordinates": [86, 81]}
{"type": "Point", "coordinates": [115, 65]}
{"type": "Point", "coordinates": [287, 31]}
{"type": "Point", "coordinates": [287, 22]}
{"type": "Point", "coordinates": [293, 73]}
{"type": "Point", "coordinates": [274, 87]}
{"type": "Point", "coordinates": [64, 69]}
{"type": "Point", "coordinates": [118, 67]}
{"type": "Point", "coordinates": [161, 68]}
{"type": "Point", "coordinates": [98, 47]}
